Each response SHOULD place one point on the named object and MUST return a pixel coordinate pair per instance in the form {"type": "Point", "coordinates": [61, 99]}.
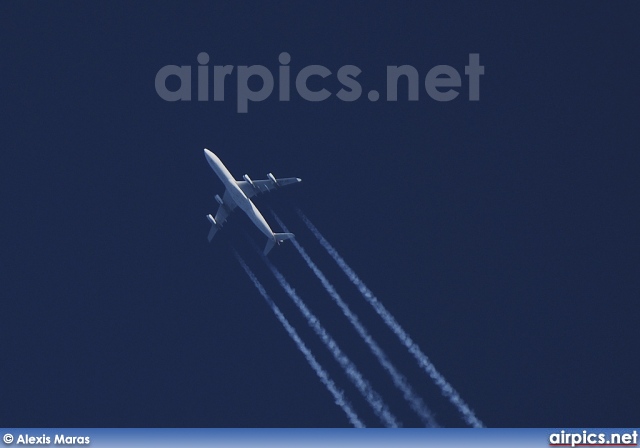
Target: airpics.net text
{"type": "Point", "coordinates": [440, 82]}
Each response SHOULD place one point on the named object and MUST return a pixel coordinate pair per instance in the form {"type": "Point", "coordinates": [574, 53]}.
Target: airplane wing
{"type": "Point", "coordinates": [224, 210]}
{"type": "Point", "coordinates": [254, 187]}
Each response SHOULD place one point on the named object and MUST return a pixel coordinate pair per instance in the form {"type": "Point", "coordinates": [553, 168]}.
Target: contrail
{"type": "Point", "coordinates": [372, 397]}
{"type": "Point", "coordinates": [338, 395]}
{"type": "Point", "coordinates": [399, 380]}
{"type": "Point", "coordinates": [422, 359]}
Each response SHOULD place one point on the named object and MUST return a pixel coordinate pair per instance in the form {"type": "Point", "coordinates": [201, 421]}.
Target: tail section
{"type": "Point", "coordinates": [280, 237]}
{"type": "Point", "coordinates": [277, 238]}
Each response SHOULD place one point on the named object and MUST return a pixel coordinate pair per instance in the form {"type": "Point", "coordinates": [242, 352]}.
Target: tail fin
{"type": "Point", "coordinates": [279, 238]}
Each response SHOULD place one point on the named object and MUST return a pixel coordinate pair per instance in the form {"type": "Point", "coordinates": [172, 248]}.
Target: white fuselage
{"type": "Point", "coordinates": [237, 195]}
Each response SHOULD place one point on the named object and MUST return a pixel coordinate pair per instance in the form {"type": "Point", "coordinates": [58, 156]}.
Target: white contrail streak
{"type": "Point", "coordinates": [399, 380]}
{"type": "Point", "coordinates": [338, 395]}
{"type": "Point", "coordinates": [422, 359]}
{"type": "Point", "coordinates": [363, 386]}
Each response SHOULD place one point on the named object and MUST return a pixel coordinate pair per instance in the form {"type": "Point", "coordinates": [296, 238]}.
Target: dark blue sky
{"type": "Point", "coordinates": [502, 234]}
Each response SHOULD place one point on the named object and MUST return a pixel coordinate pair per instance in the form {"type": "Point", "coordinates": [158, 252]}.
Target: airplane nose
{"type": "Point", "coordinates": [212, 159]}
{"type": "Point", "coordinates": [209, 155]}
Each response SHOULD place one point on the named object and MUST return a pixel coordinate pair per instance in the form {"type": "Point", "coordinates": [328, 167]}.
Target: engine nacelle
{"type": "Point", "coordinates": [212, 220]}
{"type": "Point", "coordinates": [272, 178]}
{"type": "Point", "coordinates": [248, 180]}
{"type": "Point", "coordinates": [219, 200]}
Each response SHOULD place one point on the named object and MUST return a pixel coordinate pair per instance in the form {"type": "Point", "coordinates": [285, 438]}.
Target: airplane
{"type": "Point", "coordinates": [237, 194]}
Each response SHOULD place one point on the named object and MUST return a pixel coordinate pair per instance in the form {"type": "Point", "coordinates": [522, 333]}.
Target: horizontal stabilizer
{"type": "Point", "coordinates": [279, 238]}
